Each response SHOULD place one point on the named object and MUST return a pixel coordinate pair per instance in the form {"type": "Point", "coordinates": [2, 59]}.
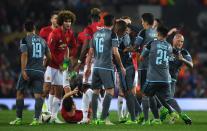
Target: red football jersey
{"type": "Point", "coordinates": [76, 118]}
{"type": "Point", "coordinates": [45, 31]}
{"type": "Point", "coordinates": [58, 42]}
{"type": "Point", "coordinates": [91, 29]}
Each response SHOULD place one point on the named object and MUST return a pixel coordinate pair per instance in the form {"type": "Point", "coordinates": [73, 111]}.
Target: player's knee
{"type": "Point", "coordinates": [20, 95]}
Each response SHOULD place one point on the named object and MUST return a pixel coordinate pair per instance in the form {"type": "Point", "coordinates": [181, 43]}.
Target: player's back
{"type": "Point", "coordinates": [148, 35]}
{"type": "Point", "coordinates": [45, 31]}
{"type": "Point", "coordinates": [36, 49]}
{"type": "Point", "coordinates": [159, 55]}
{"type": "Point", "coordinates": [102, 44]}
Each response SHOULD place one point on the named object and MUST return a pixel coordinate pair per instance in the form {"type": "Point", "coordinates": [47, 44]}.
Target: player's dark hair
{"type": "Point", "coordinates": [29, 26]}
{"type": "Point", "coordinates": [68, 103]}
{"type": "Point", "coordinates": [126, 17]}
{"type": "Point", "coordinates": [162, 30]}
{"type": "Point", "coordinates": [120, 26]}
{"type": "Point", "coordinates": [95, 14]}
{"type": "Point", "coordinates": [108, 20]}
{"type": "Point", "coordinates": [148, 17]}
{"type": "Point", "coordinates": [159, 21]}
{"type": "Point", "coordinates": [55, 12]}
{"type": "Point", "coordinates": [65, 15]}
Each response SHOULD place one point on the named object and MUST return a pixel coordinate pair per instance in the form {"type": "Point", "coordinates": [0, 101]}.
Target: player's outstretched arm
{"type": "Point", "coordinates": [118, 59]}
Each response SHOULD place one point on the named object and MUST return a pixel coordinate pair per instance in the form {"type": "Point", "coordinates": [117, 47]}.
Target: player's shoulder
{"type": "Point", "coordinates": [184, 52]}
{"type": "Point", "coordinates": [46, 28]}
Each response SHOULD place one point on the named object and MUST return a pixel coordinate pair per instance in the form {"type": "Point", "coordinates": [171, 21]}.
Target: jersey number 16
{"type": "Point", "coordinates": [99, 44]}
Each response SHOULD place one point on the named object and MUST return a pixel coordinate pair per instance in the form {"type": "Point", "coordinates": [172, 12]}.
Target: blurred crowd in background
{"type": "Point", "coordinates": [190, 15]}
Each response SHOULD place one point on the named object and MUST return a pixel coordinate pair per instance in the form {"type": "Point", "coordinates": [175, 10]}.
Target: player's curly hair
{"type": "Point", "coordinates": [65, 15]}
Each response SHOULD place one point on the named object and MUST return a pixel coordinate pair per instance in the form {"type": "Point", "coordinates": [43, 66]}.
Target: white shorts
{"type": "Point", "coordinates": [56, 77]}
{"type": "Point", "coordinates": [90, 77]}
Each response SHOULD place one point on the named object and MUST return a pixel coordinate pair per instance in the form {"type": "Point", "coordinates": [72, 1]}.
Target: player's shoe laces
{"type": "Point", "coordinates": [17, 121]}
{"type": "Point", "coordinates": [129, 122]}
{"type": "Point", "coordinates": [35, 122]}
{"type": "Point", "coordinates": [140, 119]}
{"type": "Point", "coordinates": [56, 121]}
{"type": "Point", "coordinates": [146, 123]}
{"type": "Point", "coordinates": [163, 113]}
{"type": "Point", "coordinates": [156, 122]}
{"type": "Point", "coordinates": [186, 118]}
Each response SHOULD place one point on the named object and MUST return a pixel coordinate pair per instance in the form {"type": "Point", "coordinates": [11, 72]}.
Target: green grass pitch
{"type": "Point", "coordinates": [199, 124]}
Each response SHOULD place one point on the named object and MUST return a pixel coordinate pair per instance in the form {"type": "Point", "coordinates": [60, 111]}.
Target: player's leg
{"type": "Point", "coordinates": [96, 86]}
{"type": "Point", "coordinates": [21, 85]}
{"type": "Point", "coordinates": [145, 99]}
{"type": "Point", "coordinates": [58, 88]}
{"type": "Point", "coordinates": [107, 78]}
{"type": "Point", "coordinates": [120, 101]}
{"type": "Point", "coordinates": [46, 90]}
{"type": "Point", "coordinates": [173, 103]}
{"type": "Point", "coordinates": [37, 80]}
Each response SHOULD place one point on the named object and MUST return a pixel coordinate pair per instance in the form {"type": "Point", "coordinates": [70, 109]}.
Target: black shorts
{"type": "Point", "coordinates": [126, 82]}
{"type": "Point", "coordinates": [158, 88]}
{"type": "Point", "coordinates": [142, 77]}
{"type": "Point", "coordinates": [102, 77]}
{"type": "Point", "coordinates": [35, 82]}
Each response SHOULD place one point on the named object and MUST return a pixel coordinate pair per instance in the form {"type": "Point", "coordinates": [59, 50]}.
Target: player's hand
{"type": "Point", "coordinates": [123, 70]}
{"type": "Point", "coordinates": [87, 73]}
{"type": "Point", "coordinates": [180, 57]}
{"type": "Point", "coordinates": [75, 91]}
{"type": "Point", "coordinates": [24, 75]}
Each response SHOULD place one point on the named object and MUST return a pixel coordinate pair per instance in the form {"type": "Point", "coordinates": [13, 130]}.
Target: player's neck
{"type": "Point", "coordinates": [63, 29]}
{"type": "Point", "coordinates": [31, 33]}
{"type": "Point", "coordinates": [109, 27]}
{"type": "Point", "coordinates": [148, 26]}
{"type": "Point", "coordinates": [53, 27]}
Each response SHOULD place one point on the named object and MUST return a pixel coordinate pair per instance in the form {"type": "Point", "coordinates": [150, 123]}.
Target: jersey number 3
{"type": "Point", "coordinates": [161, 57]}
{"type": "Point", "coordinates": [37, 50]}
{"type": "Point", "coordinates": [99, 44]}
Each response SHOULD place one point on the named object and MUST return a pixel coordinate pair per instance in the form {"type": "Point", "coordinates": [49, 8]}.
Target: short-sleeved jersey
{"type": "Point", "coordinates": [159, 53]}
{"type": "Point", "coordinates": [78, 116]}
{"type": "Point", "coordinates": [176, 64]}
{"type": "Point", "coordinates": [58, 43]}
{"type": "Point", "coordinates": [144, 37]}
{"type": "Point", "coordinates": [36, 48]}
{"type": "Point", "coordinates": [103, 41]}
{"type": "Point", "coordinates": [126, 57]}
{"type": "Point", "coordinates": [91, 29]}
{"type": "Point", "coordinates": [45, 31]}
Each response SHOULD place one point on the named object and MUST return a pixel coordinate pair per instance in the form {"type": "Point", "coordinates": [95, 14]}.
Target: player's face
{"type": "Point", "coordinates": [155, 24]}
{"type": "Point", "coordinates": [178, 42]}
{"type": "Point", "coordinates": [54, 20]}
{"type": "Point", "coordinates": [144, 24]}
{"type": "Point", "coordinates": [67, 24]}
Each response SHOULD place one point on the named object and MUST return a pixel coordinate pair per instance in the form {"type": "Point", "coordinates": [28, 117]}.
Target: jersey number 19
{"type": "Point", "coordinates": [37, 50]}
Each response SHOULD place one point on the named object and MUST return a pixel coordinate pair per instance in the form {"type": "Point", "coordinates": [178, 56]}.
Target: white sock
{"type": "Point", "coordinates": [120, 106]}
{"type": "Point", "coordinates": [50, 101]}
{"type": "Point", "coordinates": [126, 112]}
{"type": "Point", "coordinates": [55, 107]}
{"type": "Point", "coordinates": [45, 106]}
{"type": "Point", "coordinates": [99, 110]}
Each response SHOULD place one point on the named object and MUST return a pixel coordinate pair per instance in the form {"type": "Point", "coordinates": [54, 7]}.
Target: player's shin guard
{"type": "Point", "coordinates": [145, 106]}
{"type": "Point", "coordinates": [94, 105]}
{"type": "Point", "coordinates": [85, 106]}
{"type": "Point", "coordinates": [173, 103]}
{"type": "Point", "coordinates": [55, 107]}
{"type": "Point", "coordinates": [38, 107]}
{"type": "Point", "coordinates": [19, 107]}
{"type": "Point", "coordinates": [120, 106]}
{"type": "Point", "coordinates": [130, 105]}
{"type": "Point", "coordinates": [106, 105]}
